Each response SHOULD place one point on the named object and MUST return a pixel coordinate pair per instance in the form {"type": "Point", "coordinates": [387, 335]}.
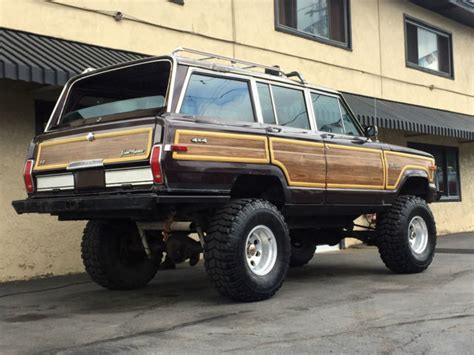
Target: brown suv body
{"type": "Point", "coordinates": [262, 167]}
{"type": "Point", "coordinates": [307, 172]}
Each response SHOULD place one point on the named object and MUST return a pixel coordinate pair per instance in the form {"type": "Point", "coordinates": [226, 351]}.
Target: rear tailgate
{"type": "Point", "coordinates": [96, 159]}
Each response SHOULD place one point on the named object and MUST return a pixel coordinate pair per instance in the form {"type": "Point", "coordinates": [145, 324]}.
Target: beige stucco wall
{"type": "Point", "coordinates": [375, 66]}
{"type": "Point", "coordinates": [30, 245]}
{"type": "Point", "coordinates": [451, 217]}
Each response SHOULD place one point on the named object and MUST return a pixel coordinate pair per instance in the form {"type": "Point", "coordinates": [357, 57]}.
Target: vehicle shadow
{"type": "Point", "coordinates": [191, 287]}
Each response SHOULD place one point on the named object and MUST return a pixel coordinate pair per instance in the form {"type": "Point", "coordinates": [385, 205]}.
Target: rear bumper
{"type": "Point", "coordinates": [85, 204]}
{"type": "Point", "coordinates": [104, 206]}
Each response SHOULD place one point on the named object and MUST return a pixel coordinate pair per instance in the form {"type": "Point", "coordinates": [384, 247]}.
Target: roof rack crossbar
{"type": "Point", "coordinates": [232, 61]}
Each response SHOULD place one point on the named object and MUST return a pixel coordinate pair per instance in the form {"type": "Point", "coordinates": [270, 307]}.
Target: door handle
{"type": "Point", "coordinates": [273, 129]}
{"type": "Point", "coordinates": [327, 135]}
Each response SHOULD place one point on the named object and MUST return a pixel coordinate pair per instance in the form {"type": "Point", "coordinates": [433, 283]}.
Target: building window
{"type": "Point", "coordinates": [448, 178]}
{"type": "Point", "coordinates": [428, 48]}
{"type": "Point", "coordinates": [322, 20]}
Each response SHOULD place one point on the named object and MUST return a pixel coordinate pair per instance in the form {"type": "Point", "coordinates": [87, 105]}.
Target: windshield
{"type": "Point", "coordinates": [117, 94]}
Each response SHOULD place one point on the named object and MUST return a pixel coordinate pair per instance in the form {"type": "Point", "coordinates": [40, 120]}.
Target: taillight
{"type": "Point", "coordinates": [178, 148]}
{"type": "Point", "coordinates": [155, 163]}
{"type": "Point", "coordinates": [28, 176]}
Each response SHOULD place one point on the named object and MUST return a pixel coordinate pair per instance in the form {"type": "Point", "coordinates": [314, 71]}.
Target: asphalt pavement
{"type": "Point", "coordinates": [342, 302]}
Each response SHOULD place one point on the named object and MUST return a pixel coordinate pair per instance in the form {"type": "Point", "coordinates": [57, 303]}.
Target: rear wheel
{"type": "Point", "coordinates": [406, 235]}
{"type": "Point", "coordinates": [114, 257]}
{"type": "Point", "coordinates": [247, 250]}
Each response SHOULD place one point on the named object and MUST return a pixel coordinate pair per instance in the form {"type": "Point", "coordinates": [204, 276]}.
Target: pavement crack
{"type": "Point", "coordinates": [416, 321]}
{"type": "Point", "coordinates": [44, 289]}
{"type": "Point", "coordinates": [147, 332]}
{"type": "Point", "coordinates": [350, 331]}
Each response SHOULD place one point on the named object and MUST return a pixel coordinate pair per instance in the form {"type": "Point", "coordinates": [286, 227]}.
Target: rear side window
{"type": "Point", "coordinates": [290, 107]}
{"type": "Point", "coordinates": [283, 106]}
{"type": "Point", "coordinates": [224, 98]}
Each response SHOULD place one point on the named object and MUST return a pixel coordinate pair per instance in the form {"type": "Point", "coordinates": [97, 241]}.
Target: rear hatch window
{"type": "Point", "coordinates": [127, 92]}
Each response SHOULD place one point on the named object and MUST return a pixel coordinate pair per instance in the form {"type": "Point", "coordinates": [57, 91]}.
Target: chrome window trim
{"type": "Point", "coordinates": [256, 98]}
{"type": "Point", "coordinates": [309, 107]}
{"type": "Point", "coordinates": [69, 84]}
{"type": "Point", "coordinates": [342, 119]}
{"type": "Point", "coordinates": [61, 96]}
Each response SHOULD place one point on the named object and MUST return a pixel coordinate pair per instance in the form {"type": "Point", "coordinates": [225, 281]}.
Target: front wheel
{"type": "Point", "coordinates": [247, 250]}
{"type": "Point", "coordinates": [406, 235]}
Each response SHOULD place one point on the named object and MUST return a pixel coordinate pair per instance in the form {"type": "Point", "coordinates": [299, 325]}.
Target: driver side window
{"type": "Point", "coordinates": [328, 115]}
{"type": "Point", "coordinates": [332, 116]}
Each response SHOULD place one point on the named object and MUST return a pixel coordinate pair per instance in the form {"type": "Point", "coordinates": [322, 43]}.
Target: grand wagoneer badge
{"type": "Point", "coordinates": [128, 152]}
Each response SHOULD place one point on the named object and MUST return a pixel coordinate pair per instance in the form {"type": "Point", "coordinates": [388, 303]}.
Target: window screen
{"type": "Point", "coordinates": [224, 98]}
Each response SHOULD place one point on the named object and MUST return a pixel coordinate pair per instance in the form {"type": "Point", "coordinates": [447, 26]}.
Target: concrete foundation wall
{"type": "Point", "coordinates": [30, 245]}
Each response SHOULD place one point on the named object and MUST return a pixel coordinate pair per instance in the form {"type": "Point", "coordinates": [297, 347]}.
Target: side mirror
{"type": "Point", "coordinates": [371, 132]}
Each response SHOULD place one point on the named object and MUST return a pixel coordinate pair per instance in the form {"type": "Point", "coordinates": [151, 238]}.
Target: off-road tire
{"type": "Point", "coordinates": [103, 259]}
{"type": "Point", "coordinates": [302, 250]}
{"type": "Point", "coordinates": [393, 236]}
{"type": "Point", "coordinates": [225, 250]}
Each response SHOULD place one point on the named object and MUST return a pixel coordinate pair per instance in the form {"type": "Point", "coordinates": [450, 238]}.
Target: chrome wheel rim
{"type": "Point", "coordinates": [417, 234]}
{"type": "Point", "coordinates": [261, 250]}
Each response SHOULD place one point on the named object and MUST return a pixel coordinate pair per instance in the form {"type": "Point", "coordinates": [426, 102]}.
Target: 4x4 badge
{"type": "Point", "coordinates": [199, 140]}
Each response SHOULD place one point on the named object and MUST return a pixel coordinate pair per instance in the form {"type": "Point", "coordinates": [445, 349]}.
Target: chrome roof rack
{"type": "Point", "coordinates": [238, 63]}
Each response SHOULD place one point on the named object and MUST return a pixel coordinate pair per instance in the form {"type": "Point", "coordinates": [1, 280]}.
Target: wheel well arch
{"type": "Point", "coordinates": [268, 187]}
{"type": "Point", "coordinates": [415, 185]}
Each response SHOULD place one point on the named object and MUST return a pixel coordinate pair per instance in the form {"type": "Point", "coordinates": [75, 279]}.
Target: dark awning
{"type": "Point", "coordinates": [46, 60]}
{"type": "Point", "coordinates": [411, 118]}
{"type": "Point", "coordinates": [458, 10]}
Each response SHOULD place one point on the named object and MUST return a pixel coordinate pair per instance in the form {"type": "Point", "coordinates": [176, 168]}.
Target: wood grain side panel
{"type": "Point", "coordinates": [109, 147]}
{"type": "Point", "coordinates": [399, 163]}
{"type": "Point", "coordinates": [302, 162]}
{"type": "Point", "coordinates": [224, 147]}
{"type": "Point", "coordinates": [351, 167]}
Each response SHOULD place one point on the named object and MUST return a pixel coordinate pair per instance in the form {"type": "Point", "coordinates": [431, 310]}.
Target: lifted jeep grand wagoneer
{"type": "Point", "coordinates": [258, 164]}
